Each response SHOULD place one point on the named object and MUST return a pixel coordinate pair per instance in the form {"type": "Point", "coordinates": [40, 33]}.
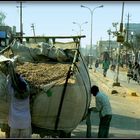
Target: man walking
{"type": "Point", "coordinates": [106, 64]}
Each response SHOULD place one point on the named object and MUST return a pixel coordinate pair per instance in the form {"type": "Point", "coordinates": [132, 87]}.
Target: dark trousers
{"type": "Point", "coordinates": [105, 72]}
{"type": "Point", "coordinates": [104, 126]}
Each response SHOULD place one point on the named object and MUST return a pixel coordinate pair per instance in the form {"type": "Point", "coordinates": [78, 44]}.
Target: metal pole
{"type": "Point", "coordinates": [121, 30]}
{"type": "Point", "coordinates": [32, 26]}
{"type": "Point", "coordinates": [21, 26]}
{"type": "Point", "coordinates": [80, 26]}
{"type": "Point", "coordinates": [90, 53]}
{"type": "Point", "coordinates": [109, 49]}
{"type": "Point", "coordinates": [118, 60]}
{"type": "Point", "coordinates": [90, 65]}
{"type": "Point", "coordinates": [109, 45]}
{"type": "Point", "coordinates": [127, 31]}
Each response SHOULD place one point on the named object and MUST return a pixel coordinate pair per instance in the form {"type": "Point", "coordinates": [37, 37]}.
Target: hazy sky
{"type": "Point", "coordinates": [57, 17]}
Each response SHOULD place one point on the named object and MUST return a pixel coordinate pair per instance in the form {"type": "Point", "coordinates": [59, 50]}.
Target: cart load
{"type": "Point", "coordinates": [59, 83]}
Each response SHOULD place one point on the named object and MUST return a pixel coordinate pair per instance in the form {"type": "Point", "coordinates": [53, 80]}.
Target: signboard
{"type": "Point", "coordinates": [120, 38]}
{"type": "Point", "coordinates": [2, 34]}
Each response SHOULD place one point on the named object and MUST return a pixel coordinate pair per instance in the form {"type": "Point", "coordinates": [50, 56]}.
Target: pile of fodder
{"type": "Point", "coordinates": [39, 74]}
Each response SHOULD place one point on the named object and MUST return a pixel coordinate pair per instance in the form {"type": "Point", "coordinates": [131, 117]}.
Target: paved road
{"type": "Point", "coordinates": [126, 111]}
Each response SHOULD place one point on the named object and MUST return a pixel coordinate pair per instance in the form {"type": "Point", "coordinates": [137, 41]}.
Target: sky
{"type": "Point", "coordinates": [55, 18]}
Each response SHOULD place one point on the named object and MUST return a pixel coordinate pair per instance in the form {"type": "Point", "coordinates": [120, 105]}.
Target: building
{"type": "Point", "coordinates": [5, 35]}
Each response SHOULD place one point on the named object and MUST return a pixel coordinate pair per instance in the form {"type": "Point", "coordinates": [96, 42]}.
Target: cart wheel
{"type": "Point", "coordinates": [7, 134]}
{"type": "Point", "coordinates": [65, 135]}
{"type": "Point", "coordinates": [5, 128]}
{"type": "Point", "coordinates": [42, 135]}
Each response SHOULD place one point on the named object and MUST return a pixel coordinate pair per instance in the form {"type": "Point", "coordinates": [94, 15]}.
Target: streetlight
{"type": "Point", "coordinates": [80, 25]}
{"type": "Point", "coordinates": [76, 32]}
{"type": "Point", "coordinates": [91, 11]}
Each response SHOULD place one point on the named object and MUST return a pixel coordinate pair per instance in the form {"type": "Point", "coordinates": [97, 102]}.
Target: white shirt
{"type": "Point", "coordinates": [103, 104]}
{"type": "Point", "coordinates": [19, 113]}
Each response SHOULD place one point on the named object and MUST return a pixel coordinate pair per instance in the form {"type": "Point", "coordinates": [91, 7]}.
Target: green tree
{"type": "Point", "coordinates": [133, 45]}
{"type": "Point", "coordinates": [2, 18]}
{"type": "Point", "coordinates": [136, 46]}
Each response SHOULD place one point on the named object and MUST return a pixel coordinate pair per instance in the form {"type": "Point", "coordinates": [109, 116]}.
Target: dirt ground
{"type": "Point", "coordinates": [125, 107]}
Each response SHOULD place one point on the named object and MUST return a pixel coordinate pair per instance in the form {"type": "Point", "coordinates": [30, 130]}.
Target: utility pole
{"type": "Point", "coordinates": [120, 39]}
{"type": "Point", "coordinates": [127, 34]}
{"type": "Point", "coordinates": [20, 22]}
{"type": "Point", "coordinates": [33, 28]}
{"type": "Point", "coordinates": [21, 25]}
{"type": "Point", "coordinates": [127, 31]}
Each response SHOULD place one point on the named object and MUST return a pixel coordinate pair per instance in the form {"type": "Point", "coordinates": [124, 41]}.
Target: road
{"type": "Point", "coordinates": [126, 107]}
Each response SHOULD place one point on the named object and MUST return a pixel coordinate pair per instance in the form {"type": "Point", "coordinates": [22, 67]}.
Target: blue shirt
{"type": "Point", "coordinates": [102, 104]}
{"type": "Point", "coordinates": [19, 112]}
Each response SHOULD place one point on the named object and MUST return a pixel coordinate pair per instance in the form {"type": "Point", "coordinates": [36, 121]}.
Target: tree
{"type": "Point", "coordinates": [136, 46]}
{"type": "Point", "coordinates": [2, 18]}
{"type": "Point", "coordinates": [133, 45]}
{"type": "Point", "coordinates": [128, 45]}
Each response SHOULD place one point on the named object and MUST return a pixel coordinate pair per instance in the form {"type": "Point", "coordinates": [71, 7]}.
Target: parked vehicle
{"type": "Point", "coordinates": [60, 84]}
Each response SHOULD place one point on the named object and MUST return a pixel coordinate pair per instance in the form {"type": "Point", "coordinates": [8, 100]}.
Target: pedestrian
{"type": "Point", "coordinates": [113, 65]}
{"type": "Point", "coordinates": [135, 70]}
{"type": "Point", "coordinates": [105, 67]}
{"type": "Point", "coordinates": [19, 117]}
{"type": "Point", "coordinates": [129, 64]}
{"type": "Point", "coordinates": [103, 106]}
{"type": "Point", "coordinates": [129, 71]}
{"type": "Point", "coordinates": [96, 65]}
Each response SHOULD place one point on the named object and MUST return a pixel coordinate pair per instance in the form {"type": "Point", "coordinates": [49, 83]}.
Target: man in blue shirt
{"type": "Point", "coordinates": [105, 112]}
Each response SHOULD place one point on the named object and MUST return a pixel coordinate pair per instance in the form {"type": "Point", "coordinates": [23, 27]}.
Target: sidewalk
{"type": "Point", "coordinates": [125, 88]}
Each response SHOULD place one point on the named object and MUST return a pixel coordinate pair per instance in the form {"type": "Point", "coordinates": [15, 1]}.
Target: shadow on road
{"type": "Point", "coordinates": [121, 126]}
{"type": "Point", "coordinates": [125, 122]}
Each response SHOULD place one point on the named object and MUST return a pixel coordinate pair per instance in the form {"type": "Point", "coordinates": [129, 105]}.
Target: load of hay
{"type": "Point", "coordinates": [45, 69]}
{"type": "Point", "coordinates": [40, 74]}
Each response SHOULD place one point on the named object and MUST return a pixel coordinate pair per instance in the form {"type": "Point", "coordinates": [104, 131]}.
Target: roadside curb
{"type": "Point", "coordinates": [106, 84]}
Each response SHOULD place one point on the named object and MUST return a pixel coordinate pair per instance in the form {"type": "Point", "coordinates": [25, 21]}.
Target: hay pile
{"type": "Point", "coordinates": [38, 74]}
{"type": "Point", "coordinates": [43, 73]}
